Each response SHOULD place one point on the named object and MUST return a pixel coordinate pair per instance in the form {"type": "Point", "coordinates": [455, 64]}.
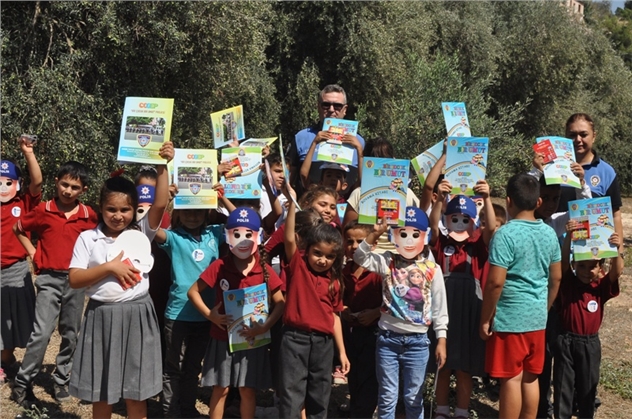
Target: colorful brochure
{"type": "Point", "coordinates": [342, 209]}
{"type": "Point", "coordinates": [558, 171]}
{"type": "Point", "coordinates": [258, 142]}
{"type": "Point", "coordinates": [601, 221]}
{"type": "Point", "coordinates": [456, 122]}
{"type": "Point", "coordinates": [246, 306]}
{"type": "Point", "coordinates": [388, 209]}
{"type": "Point", "coordinates": [424, 162]}
{"type": "Point", "coordinates": [466, 163]}
{"type": "Point", "coordinates": [146, 125]}
{"type": "Point", "coordinates": [286, 169]}
{"type": "Point", "coordinates": [546, 149]}
{"type": "Point", "coordinates": [382, 179]}
{"type": "Point", "coordinates": [245, 178]}
{"type": "Point", "coordinates": [195, 174]}
{"type": "Point", "coordinates": [334, 150]}
{"type": "Point", "coordinates": [228, 126]}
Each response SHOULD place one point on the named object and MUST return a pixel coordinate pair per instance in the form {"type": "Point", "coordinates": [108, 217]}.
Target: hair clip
{"type": "Point", "coordinates": [117, 173]}
{"type": "Point", "coordinates": [148, 168]}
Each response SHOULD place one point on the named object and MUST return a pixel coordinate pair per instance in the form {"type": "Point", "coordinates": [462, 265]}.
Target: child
{"type": "Point", "coordinates": [323, 199]}
{"type": "Point", "coordinates": [273, 206]}
{"type": "Point", "coordinates": [362, 301]}
{"type": "Point", "coordinates": [462, 254]}
{"type": "Point", "coordinates": [191, 246]}
{"type": "Point", "coordinates": [408, 310]}
{"type": "Point", "coordinates": [523, 280]}
{"type": "Point", "coordinates": [18, 294]}
{"type": "Point", "coordinates": [311, 324]}
{"type": "Point", "coordinates": [57, 223]}
{"type": "Point", "coordinates": [247, 370]}
{"type": "Point", "coordinates": [118, 355]}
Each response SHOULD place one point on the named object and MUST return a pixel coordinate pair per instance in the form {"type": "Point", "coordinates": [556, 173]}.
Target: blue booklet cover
{"type": "Point", "coordinates": [334, 150]}
{"type": "Point", "coordinates": [466, 163]}
{"type": "Point", "coordinates": [594, 243]}
{"type": "Point", "coordinates": [424, 162]}
{"type": "Point", "coordinates": [246, 306]}
{"type": "Point", "coordinates": [383, 180]}
{"type": "Point", "coordinates": [245, 181]}
{"type": "Point", "coordinates": [456, 122]}
{"type": "Point", "coordinates": [558, 171]}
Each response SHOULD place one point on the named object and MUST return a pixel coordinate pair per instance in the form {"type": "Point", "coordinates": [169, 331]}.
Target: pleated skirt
{"type": "Point", "coordinates": [17, 299]}
{"type": "Point", "coordinates": [249, 368]}
{"type": "Point", "coordinates": [118, 354]}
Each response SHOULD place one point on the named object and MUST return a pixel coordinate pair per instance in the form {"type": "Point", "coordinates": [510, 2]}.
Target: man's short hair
{"type": "Point", "coordinates": [332, 88]}
{"type": "Point", "coordinates": [74, 170]}
{"type": "Point", "coordinates": [524, 191]}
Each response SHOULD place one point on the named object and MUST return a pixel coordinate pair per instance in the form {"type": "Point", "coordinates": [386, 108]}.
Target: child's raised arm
{"type": "Point", "coordinates": [571, 225]}
{"type": "Point", "coordinates": [162, 187]}
{"type": "Point", "coordinates": [616, 264]}
{"type": "Point", "coordinates": [35, 172]}
{"type": "Point", "coordinates": [363, 256]}
{"type": "Point", "coordinates": [437, 209]}
{"type": "Point", "coordinates": [482, 189]}
{"type": "Point", "coordinates": [431, 180]}
{"type": "Point", "coordinates": [307, 163]}
{"type": "Point", "coordinates": [290, 223]}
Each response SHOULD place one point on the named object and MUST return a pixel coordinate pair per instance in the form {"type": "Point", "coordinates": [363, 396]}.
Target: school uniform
{"type": "Point", "coordinates": [118, 354]}
{"type": "Point", "coordinates": [578, 349]}
{"type": "Point", "coordinates": [307, 346]}
{"type": "Point", "coordinates": [55, 298]}
{"type": "Point", "coordinates": [17, 307]}
{"type": "Point", "coordinates": [362, 292]}
{"type": "Point", "coordinates": [249, 368]}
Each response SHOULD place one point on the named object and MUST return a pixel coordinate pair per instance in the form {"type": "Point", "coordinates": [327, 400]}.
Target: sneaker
{"type": "Point", "coordinates": [339, 377]}
{"type": "Point", "coordinates": [61, 393]}
{"type": "Point", "coordinates": [24, 397]}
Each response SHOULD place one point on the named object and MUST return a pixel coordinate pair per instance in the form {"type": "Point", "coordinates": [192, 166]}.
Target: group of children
{"type": "Point", "coordinates": [382, 304]}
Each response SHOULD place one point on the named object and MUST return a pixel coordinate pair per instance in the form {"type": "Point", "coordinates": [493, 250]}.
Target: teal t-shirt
{"type": "Point", "coordinates": [526, 249]}
{"type": "Point", "coordinates": [189, 258]}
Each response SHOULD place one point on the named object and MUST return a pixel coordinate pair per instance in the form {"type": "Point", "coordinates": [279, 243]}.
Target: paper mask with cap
{"type": "Point", "coordinates": [460, 215]}
{"type": "Point", "coordinates": [146, 196]}
{"type": "Point", "coordinates": [242, 232]}
{"type": "Point", "coordinates": [9, 181]}
{"type": "Point", "coordinates": [411, 239]}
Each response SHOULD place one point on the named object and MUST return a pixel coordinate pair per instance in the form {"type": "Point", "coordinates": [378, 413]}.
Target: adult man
{"type": "Point", "coordinates": [332, 103]}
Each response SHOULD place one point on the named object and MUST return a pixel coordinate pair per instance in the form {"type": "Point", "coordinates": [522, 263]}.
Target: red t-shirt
{"type": "Point", "coordinates": [309, 305]}
{"type": "Point", "coordinates": [12, 211]}
{"type": "Point", "coordinates": [480, 255]}
{"type": "Point", "coordinates": [57, 234]}
{"type": "Point", "coordinates": [581, 305]}
{"type": "Point", "coordinates": [363, 292]}
{"type": "Point", "coordinates": [223, 275]}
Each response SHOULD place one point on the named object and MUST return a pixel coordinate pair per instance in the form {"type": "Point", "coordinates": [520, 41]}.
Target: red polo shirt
{"type": "Point", "coordinates": [57, 234]}
{"type": "Point", "coordinates": [581, 305]}
{"type": "Point", "coordinates": [308, 304]}
{"type": "Point", "coordinates": [224, 269]}
{"type": "Point", "coordinates": [363, 292]}
{"type": "Point", "coordinates": [12, 211]}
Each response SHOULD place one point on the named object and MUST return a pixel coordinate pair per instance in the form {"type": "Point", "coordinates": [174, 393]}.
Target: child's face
{"type": "Point", "coordinates": [587, 271]}
{"type": "Point", "coordinates": [8, 189]}
{"type": "Point", "coordinates": [321, 256]}
{"type": "Point", "coordinates": [117, 212]}
{"type": "Point", "coordinates": [69, 189]}
{"type": "Point", "coordinates": [192, 219]}
{"type": "Point", "coordinates": [325, 205]}
{"type": "Point", "coordinates": [335, 179]}
{"type": "Point", "coordinates": [408, 241]}
{"type": "Point", "coordinates": [278, 176]}
{"type": "Point", "coordinates": [353, 238]}
{"type": "Point", "coordinates": [550, 196]}
{"type": "Point", "coordinates": [481, 217]}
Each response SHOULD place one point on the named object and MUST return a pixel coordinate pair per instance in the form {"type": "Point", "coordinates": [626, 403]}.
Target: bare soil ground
{"type": "Point", "coordinates": [616, 341]}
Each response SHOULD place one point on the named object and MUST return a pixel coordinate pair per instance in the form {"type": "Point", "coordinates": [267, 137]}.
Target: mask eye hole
{"type": "Point", "coordinates": [466, 220]}
{"type": "Point", "coordinates": [403, 235]}
{"type": "Point", "coordinates": [455, 219]}
{"type": "Point", "coordinates": [236, 235]}
{"type": "Point", "coordinates": [415, 235]}
{"type": "Point", "coordinates": [248, 235]}
{"type": "Point", "coordinates": [140, 210]}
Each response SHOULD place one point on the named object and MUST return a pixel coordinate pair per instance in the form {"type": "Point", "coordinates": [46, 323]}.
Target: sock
{"type": "Point", "coordinates": [461, 413]}
{"type": "Point", "coordinates": [443, 410]}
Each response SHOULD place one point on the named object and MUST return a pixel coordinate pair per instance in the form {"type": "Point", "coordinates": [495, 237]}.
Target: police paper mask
{"type": "Point", "coordinates": [242, 232]}
{"type": "Point", "coordinates": [146, 196]}
{"type": "Point", "coordinates": [411, 239]}
{"type": "Point", "coordinates": [460, 215]}
{"type": "Point", "coordinates": [9, 181]}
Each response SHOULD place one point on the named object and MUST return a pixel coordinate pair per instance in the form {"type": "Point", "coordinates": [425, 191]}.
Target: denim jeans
{"type": "Point", "coordinates": [409, 354]}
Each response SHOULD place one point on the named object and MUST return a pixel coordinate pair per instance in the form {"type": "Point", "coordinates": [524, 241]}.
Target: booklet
{"type": "Point", "coordinates": [456, 122]}
{"type": "Point", "coordinates": [466, 163]}
{"type": "Point", "coordinates": [424, 162]}
{"type": "Point", "coordinates": [228, 126]}
{"type": "Point", "coordinates": [598, 212]}
{"type": "Point", "coordinates": [145, 126]}
{"type": "Point", "coordinates": [334, 150]}
{"type": "Point", "coordinates": [258, 142]}
{"type": "Point", "coordinates": [195, 174]}
{"type": "Point", "coordinates": [546, 149]}
{"type": "Point", "coordinates": [558, 171]}
{"type": "Point", "coordinates": [286, 169]}
{"type": "Point", "coordinates": [245, 178]}
{"type": "Point", "coordinates": [342, 209]}
{"type": "Point", "coordinates": [383, 179]}
{"type": "Point", "coordinates": [246, 306]}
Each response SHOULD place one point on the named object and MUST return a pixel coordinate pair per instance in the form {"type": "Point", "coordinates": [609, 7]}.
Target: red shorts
{"type": "Point", "coordinates": [508, 354]}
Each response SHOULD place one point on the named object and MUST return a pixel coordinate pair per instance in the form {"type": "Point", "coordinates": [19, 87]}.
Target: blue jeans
{"type": "Point", "coordinates": [408, 353]}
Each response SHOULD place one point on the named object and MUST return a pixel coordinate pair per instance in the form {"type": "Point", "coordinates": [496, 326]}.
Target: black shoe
{"type": "Point", "coordinates": [24, 397]}
{"type": "Point", "coordinates": [61, 393]}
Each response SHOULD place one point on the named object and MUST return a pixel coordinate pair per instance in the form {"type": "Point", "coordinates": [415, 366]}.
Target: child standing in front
{"type": "Point", "coordinates": [192, 246]}
{"type": "Point", "coordinates": [243, 267]}
{"type": "Point", "coordinates": [584, 291]}
{"type": "Point", "coordinates": [523, 280]}
{"type": "Point", "coordinates": [413, 299]}
{"type": "Point", "coordinates": [311, 324]}
{"type": "Point", "coordinates": [118, 354]}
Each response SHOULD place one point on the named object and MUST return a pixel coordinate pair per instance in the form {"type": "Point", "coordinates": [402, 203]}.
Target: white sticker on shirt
{"type": "Point", "coordinates": [16, 211]}
{"type": "Point", "coordinates": [198, 255]}
{"type": "Point", "coordinates": [223, 284]}
{"type": "Point", "coordinates": [592, 306]}
{"type": "Point", "coordinates": [449, 250]}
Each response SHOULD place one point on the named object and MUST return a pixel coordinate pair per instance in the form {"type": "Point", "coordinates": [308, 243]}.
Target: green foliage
{"type": "Point", "coordinates": [616, 376]}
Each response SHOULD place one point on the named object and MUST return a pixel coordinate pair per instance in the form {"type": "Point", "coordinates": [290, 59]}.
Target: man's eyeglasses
{"type": "Point", "coordinates": [326, 105]}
